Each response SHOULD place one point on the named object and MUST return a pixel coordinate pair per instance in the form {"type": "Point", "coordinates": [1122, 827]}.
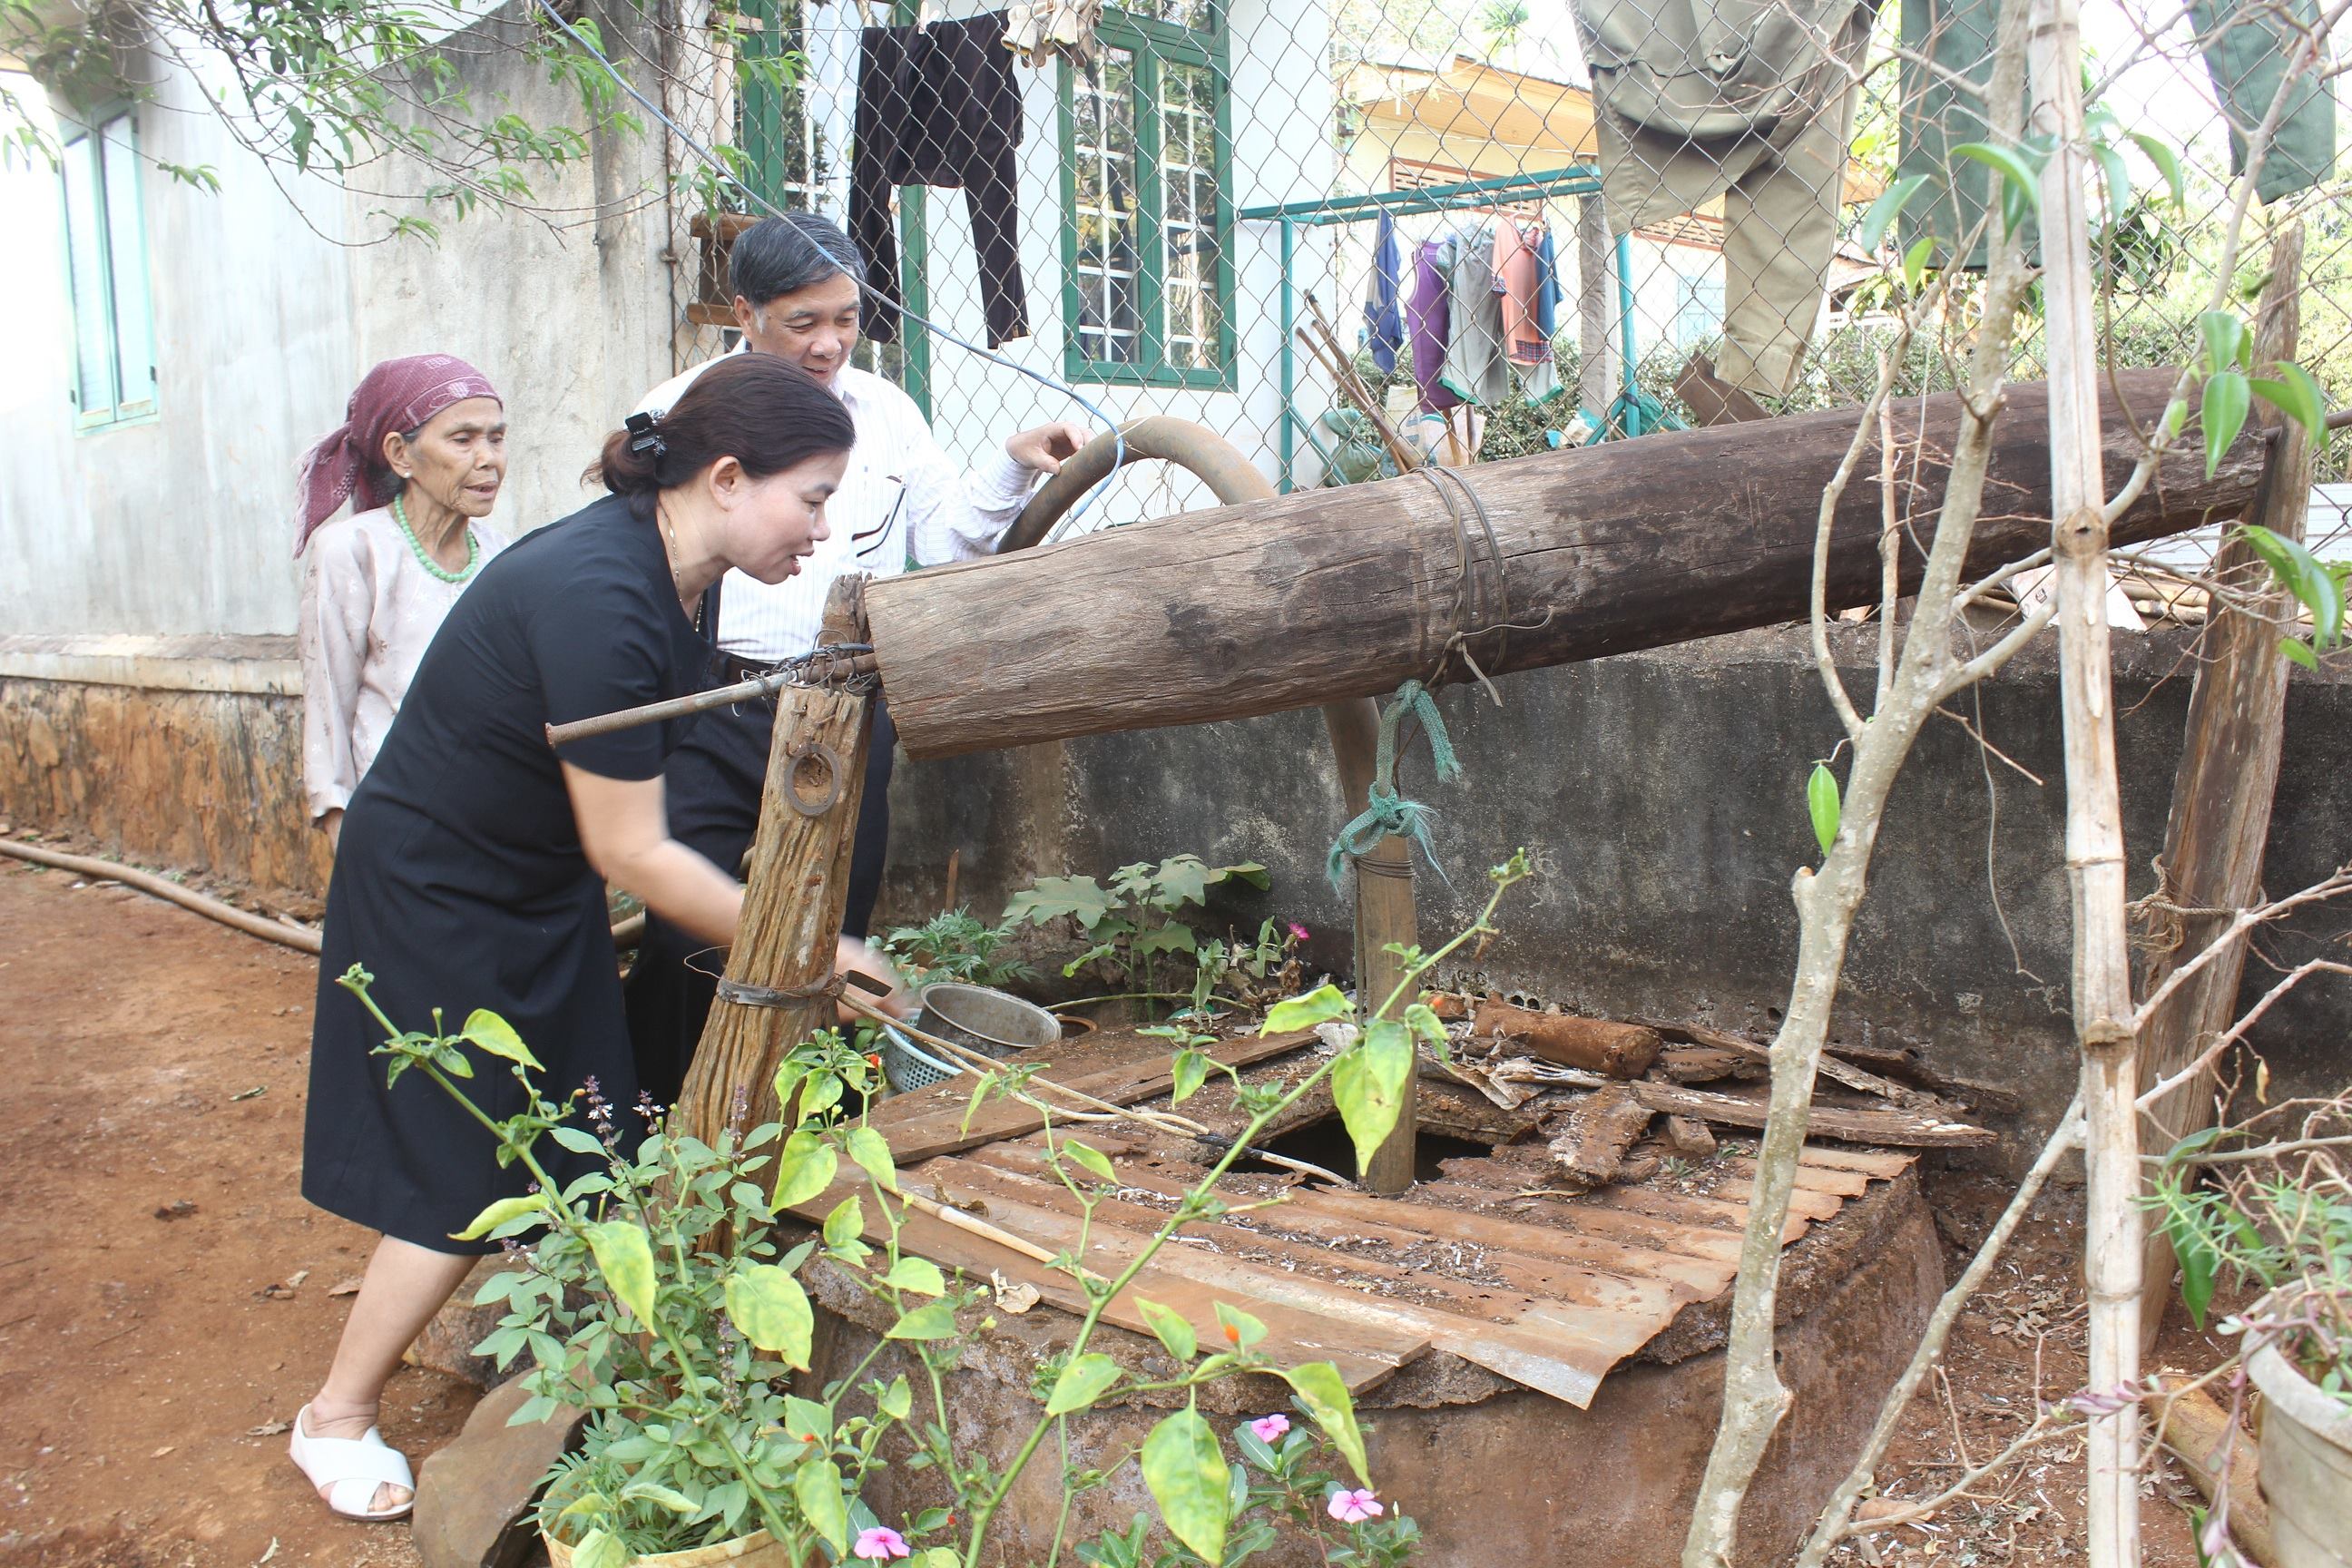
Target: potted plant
{"type": "Point", "coordinates": [2277, 1217]}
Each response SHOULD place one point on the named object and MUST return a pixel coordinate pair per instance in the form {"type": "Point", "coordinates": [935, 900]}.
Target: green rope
{"type": "Point", "coordinates": [1387, 814]}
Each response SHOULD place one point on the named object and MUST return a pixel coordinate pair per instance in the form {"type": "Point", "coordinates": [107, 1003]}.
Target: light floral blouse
{"type": "Point", "coordinates": [369, 607]}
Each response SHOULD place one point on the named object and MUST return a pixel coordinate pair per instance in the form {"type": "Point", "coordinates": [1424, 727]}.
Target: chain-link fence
{"type": "Point", "coordinates": [1495, 226]}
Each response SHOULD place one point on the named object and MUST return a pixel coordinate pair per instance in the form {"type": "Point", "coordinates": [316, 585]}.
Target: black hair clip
{"type": "Point", "coordinates": [644, 441]}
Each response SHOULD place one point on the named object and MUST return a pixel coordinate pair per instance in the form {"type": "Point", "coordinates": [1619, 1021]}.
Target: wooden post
{"type": "Point", "coordinates": [2104, 1015]}
{"type": "Point", "coordinates": [1596, 306]}
{"type": "Point", "coordinates": [1384, 914]}
{"type": "Point", "coordinates": [793, 894]}
{"type": "Point", "coordinates": [2222, 791]}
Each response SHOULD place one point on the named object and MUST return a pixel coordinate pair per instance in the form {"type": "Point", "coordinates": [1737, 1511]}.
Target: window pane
{"type": "Point", "coordinates": [1197, 14]}
{"type": "Point", "coordinates": [1187, 168]}
{"type": "Point", "coordinates": [86, 277]}
{"type": "Point", "coordinates": [126, 255]}
{"type": "Point", "coordinates": [1103, 210]}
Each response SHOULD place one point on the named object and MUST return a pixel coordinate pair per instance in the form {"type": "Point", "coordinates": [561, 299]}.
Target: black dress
{"type": "Point", "coordinates": [460, 883]}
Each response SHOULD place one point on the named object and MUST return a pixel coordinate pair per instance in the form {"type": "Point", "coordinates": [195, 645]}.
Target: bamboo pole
{"type": "Point", "coordinates": [2222, 793]}
{"type": "Point", "coordinates": [2104, 1014]}
{"type": "Point", "coordinates": [794, 896]}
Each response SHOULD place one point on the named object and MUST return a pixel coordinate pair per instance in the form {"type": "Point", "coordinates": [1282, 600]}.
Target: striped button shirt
{"type": "Point", "coordinates": [900, 503]}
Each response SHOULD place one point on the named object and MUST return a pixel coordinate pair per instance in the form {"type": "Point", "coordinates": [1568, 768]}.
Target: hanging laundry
{"type": "Point", "coordinates": [938, 105]}
{"type": "Point", "coordinates": [1518, 280]}
{"type": "Point", "coordinates": [1742, 98]}
{"type": "Point", "coordinates": [1383, 315]}
{"type": "Point", "coordinates": [1428, 323]}
{"type": "Point", "coordinates": [1040, 32]}
{"type": "Point", "coordinates": [2248, 45]}
{"type": "Point", "coordinates": [1548, 293]}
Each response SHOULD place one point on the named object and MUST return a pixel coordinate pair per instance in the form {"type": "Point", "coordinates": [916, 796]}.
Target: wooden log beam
{"type": "Point", "coordinates": [2224, 788]}
{"type": "Point", "coordinates": [793, 895]}
{"type": "Point", "coordinates": [1276, 605]}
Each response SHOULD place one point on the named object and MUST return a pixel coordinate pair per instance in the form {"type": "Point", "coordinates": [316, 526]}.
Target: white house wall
{"type": "Point", "coordinates": [182, 524]}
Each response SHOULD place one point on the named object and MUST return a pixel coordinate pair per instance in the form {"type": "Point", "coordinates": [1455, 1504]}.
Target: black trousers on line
{"type": "Point", "coordinates": [712, 786]}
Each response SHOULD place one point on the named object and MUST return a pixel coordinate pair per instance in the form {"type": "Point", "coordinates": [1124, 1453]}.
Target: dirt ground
{"type": "Point", "coordinates": [167, 1301]}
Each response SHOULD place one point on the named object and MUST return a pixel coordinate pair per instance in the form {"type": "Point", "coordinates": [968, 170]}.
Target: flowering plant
{"type": "Point", "coordinates": [663, 1300]}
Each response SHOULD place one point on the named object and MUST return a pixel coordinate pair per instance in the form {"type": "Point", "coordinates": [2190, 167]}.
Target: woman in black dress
{"type": "Point", "coordinates": [474, 857]}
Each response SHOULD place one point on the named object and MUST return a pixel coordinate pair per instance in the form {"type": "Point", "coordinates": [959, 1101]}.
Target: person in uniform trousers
{"type": "Point", "coordinates": [902, 502]}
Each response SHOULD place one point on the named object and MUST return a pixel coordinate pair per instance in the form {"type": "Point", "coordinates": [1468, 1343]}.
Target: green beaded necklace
{"type": "Point", "coordinates": [473, 548]}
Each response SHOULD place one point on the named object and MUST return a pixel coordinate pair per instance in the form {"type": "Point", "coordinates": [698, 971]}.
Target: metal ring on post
{"type": "Point", "coordinates": [817, 751]}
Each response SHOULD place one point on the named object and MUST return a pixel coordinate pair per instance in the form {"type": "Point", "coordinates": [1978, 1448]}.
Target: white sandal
{"type": "Point", "coordinates": [351, 1469]}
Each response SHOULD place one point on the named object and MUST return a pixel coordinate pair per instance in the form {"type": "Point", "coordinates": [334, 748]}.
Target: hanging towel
{"type": "Point", "coordinates": [1428, 323]}
{"type": "Point", "coordinates": [1548, 293]}
{"type": "Point", "coordinates": [1383, 315]}
{"type": "Point", "coordinates": [1519, 279]}
{"type": "Point", "coordinates": [939, 106]}
{"type": "Point", "coordinates": [1749, 100]}
{"type": "Point", "coordinates": [1038, 33]}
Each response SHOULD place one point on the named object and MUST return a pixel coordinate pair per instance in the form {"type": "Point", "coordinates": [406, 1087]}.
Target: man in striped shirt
{"type": "Point", "coordinates": [901, 503]}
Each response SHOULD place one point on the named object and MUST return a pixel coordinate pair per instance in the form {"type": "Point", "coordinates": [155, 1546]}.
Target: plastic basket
{"type": "Point", "coordinates": [906, 1067]}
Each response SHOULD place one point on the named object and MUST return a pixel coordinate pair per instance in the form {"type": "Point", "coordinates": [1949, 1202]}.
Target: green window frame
{"type": "Point", "coordinates": [1148, 275]}
{"type": "Point", "coordinates": [113, 369]}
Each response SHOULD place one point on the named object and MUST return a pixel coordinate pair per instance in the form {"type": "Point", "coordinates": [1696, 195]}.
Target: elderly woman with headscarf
{"type": "Point", "coordinates": [420, 455]}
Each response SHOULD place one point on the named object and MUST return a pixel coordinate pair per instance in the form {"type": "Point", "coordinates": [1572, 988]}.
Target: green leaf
{"type": "Point", "coordinates": [1173, 937]}
{"type": "Point", "coordinates": [1248, 871]}
{"type": "Point", "coordinates": [1320, 1005]}
{"type": "Point", "coordinates": [769, 1308]}
{"type": "Point", "coordinates": [816, 1487]}
{"type": "Point", "coordinates": [920, 1275]}
{"type": "Point", "coordinates": [1093, 1159]}
{"type": "Point", "coordinates": [1886, 209]}
{"type": "Point", "coordinates": [669, 1497]}
{"type": "Point", "coordinates": [1182, 879]}
{"type": "Point", "coordinates": [485, 1030]}
{"type": "Point", "coordinates": [1914, 262]}
{"type": "Point", "coordinates": [1080, 898]}
{"type": "Point", "coordinates": [2022, 180]}
{"type": "Point", "coordinates": [625, 1257]}
{"type": "Point", "coordinates": [498, 1213]}
{"type": "Point", "coordinates": [1821, 805]}
{"type": "Point", "coordinates": [2167, 163]}
{"type": "Point", "coordinates": [2297, 396]}
{"type": "Point", "coordinates": [931, 1320]}
{"type": "Point", "coordinates": [600, 1549]}
{"type": "Point", "coordinates": [2299, 651]}
{"type": "Point", "coordinates": [872, 1152]}
{"type": "Point", "coordinates": [2200, 1263]}
{"type": "Point", "coordinates": [896, 1399]}
{"type": "Point", "coordinates": [2117, 178]}
{"type": "Point", "coordinates": [579, 1140]}
{"type": "Point", "coordinates": [1426, 1026]}
{"type": "Point", "coordinates": [1241, 1330]}
{"type": "Point", "coordinates": [1081, 1384]}
{"type": "Point", "coordinates": [1169, 1327]}
{"type": "Point", "coordinates": [803, 1169]}
{"type": "Point", "coordinates": [1186, 1474]}
{"type": "Point", "coordinates": [1192, 1070]}
{"type": "Point", "coordinates": [845, 1224]}
{"type": "Point", "coordinates": [2224, 337]}
{"type": "Point", "coordinates": [1324, 1392]}
{"type": "Point", "coordinates": [2223, 414]}
{"type": "Point", "coordinates": [1368, 1084]}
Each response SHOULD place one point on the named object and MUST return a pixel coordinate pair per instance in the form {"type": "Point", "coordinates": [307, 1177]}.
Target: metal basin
{"type": "Point", "coordinates": [990, 1022]}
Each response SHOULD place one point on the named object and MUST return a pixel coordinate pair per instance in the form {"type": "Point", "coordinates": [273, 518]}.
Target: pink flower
{"type": "Point", "coordinates": [1354, 1507]}
{"type": "Point", "coordinates": [881, 1542]}
{"type": "Point", "coordinates": [1269, 1427]}
{"type": "Point", "coordinates": [1297, 932]}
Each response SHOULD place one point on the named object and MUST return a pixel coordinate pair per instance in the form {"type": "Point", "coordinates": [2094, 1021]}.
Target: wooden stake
{"type": "Point", "coordinates": [2228, 777]}
{"type": "Point", "coordinates": [793, 896]}
{"type": "Point", "coordinates": [2104, 1014]}
{"type": "Point", "coordinates": [1384, 914]}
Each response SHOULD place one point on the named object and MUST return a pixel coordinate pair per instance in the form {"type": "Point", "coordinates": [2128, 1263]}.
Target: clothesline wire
{"type": "Point", "coordinates": [720, 167]}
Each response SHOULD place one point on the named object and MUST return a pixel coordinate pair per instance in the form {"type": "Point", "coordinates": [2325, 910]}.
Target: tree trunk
{"type": "Point", "coordinates": [2228, 777]}
{"type": "Point", "coordinates": [2095, 834]}
{"type": "Point", "coordinates": [1276, 604]}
